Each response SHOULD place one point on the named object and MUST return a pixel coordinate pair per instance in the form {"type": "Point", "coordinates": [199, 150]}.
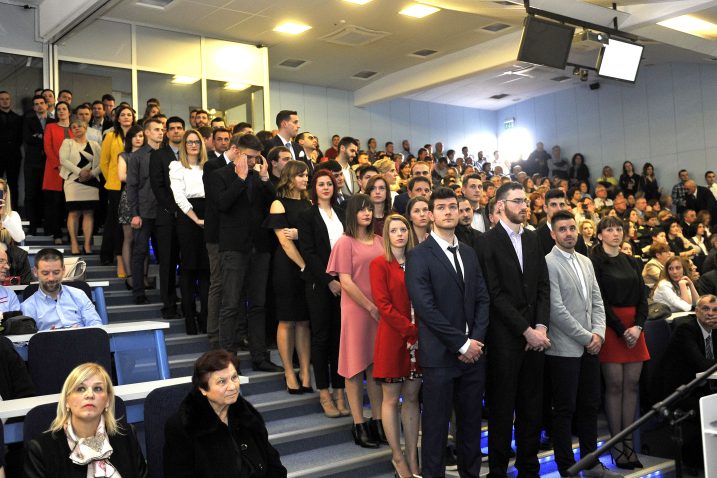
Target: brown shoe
{"type": "Point", "coordinates": [340, 400]}
{"type": "Point", "coordinates": [329, 408]}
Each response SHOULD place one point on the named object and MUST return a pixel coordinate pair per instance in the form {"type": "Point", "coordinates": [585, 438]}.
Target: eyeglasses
{"type": "Point", "coordinates": [518, 201]}
{"type": "Point", "coordinates": [194, 142]}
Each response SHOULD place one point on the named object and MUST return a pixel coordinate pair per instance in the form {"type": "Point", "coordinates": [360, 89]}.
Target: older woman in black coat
{"type": "Point", "coordinates": [216, 432]}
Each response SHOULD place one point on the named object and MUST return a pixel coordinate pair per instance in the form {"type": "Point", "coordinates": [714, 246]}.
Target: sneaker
{"type": "Point", "coordinates": [451, 460]}
{"type": "Point", "coordinates": [599, 471]}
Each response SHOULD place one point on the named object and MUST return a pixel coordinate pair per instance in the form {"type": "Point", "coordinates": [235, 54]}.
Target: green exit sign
{"type": "Point", "coordinates": [509, 123]}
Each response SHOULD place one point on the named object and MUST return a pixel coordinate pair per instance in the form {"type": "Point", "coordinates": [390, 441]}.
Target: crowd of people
{"type": "Point", "coordinates": [463, 276]}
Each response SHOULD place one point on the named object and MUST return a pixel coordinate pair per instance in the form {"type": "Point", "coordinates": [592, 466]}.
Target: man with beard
{"type": "Point", "coordinates": [54, 306]}
{"type": "Point", "coordinates": [464, 232]}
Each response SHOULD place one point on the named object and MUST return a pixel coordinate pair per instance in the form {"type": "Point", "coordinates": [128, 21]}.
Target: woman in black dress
{"type": "Point", "coordinates": [629, 180]}
{"type": "Point", "coordinates": [291, 309]}
{"type": "Point", "coordinates": [648, 182]}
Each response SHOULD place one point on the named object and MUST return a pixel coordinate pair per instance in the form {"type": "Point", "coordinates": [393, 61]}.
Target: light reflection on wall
{"type": "Point", "coordinates": [515, 144]}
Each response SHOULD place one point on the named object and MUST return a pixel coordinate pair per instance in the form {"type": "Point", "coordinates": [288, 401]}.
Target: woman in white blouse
{"type": "Point", "coordinates": [675, 289]}
{"type": "Point", "coordinates": [10, 219]}
{"type": "Point", "coordinates": [186, 182]}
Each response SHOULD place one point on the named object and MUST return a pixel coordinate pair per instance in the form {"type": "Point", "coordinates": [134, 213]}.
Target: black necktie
{"type": "Point", "coordinates": [459, 272]}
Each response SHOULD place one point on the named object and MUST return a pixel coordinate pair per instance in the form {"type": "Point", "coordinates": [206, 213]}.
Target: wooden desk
{"type": "Point", "coordinates": [133, 394]}
{"type": "Point", "coordinates": [131, 343]}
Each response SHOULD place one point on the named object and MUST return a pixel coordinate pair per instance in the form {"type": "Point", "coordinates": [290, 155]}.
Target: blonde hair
{"type": "Point", "coordinates": [203, 158]}
{"type": "Point", "coordinates": [78, 375]}
{"type": "Point", "coordinates": [387, 251]}
{"type": "Point", "coordinates": [384, 165]}
{"type": "Point", "coordinates": [7, 207]}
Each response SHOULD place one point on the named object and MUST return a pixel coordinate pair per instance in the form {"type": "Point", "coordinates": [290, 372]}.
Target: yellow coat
{"type": "Point", "coordinates": [112, 147]}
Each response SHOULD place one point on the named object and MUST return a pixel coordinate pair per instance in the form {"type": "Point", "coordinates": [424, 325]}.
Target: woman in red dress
{"type": "Point", "coordinates": [52, 182]}
{"type": "Point", "coordinates": [394, 356]}
{"type": "Point", "coordinates": [624, 350]}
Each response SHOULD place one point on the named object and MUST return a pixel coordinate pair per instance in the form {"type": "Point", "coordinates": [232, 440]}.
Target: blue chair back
{"type": "Point", "coordinates": [38, 420]}
{"type": "Point", "coordinates": [51, 356]}
{"type": "Point", "coordinates": [32, 288]}
{"type": "Point", "coordinates": [159, 405]}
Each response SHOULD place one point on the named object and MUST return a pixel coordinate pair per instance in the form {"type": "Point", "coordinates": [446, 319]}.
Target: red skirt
{"type": "Point", "coordinates": [615, 350]}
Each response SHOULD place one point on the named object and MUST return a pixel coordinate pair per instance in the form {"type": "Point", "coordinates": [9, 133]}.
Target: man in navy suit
{"type": "Point", "coordinates": [449, 295]}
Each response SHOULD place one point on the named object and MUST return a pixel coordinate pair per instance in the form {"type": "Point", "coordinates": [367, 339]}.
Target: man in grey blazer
{"type": "Point", "coordinates": [577, 331]}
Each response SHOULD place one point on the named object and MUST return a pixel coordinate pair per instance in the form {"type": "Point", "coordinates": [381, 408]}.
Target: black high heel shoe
{"type": "Point", "coordinates": [377, 433]}
{"type": "Point", "coordinates": [362, 436]}
{"type": "Point", "coordinates": [293, 391]}
{"type": "Point", "coordinates": [629, 452]}
{"type": "Point", "coordinates": [620, 459]}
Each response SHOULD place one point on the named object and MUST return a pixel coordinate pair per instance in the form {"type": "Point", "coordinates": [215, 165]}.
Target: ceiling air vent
{"type": "Point", "coordinates": [425, 53]}
{"type": "Point", "coordinates": [292, 63]}
{"type": "Point", "coordinates": [364, 75]}
{"type": "Point", "coordinates": [495, 27]}
{"type": "Point", "coordinates": [160, 4]}
{"type": "Point", "coordinates": [351, 35]}
{"type": "Point", "coordinates": [499, 96]}
{"type": "Point", "coordinates": [507, 3]}
{"type": "Point", "coordinates": [561, 78]}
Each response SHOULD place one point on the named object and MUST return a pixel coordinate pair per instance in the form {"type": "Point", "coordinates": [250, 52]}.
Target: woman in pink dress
{"type": "Point", "coordinates": [350, 260]}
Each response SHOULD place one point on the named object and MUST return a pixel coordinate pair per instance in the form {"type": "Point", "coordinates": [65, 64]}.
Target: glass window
{"type": "Point", "coordinates": [177, 99]}
{"type": "Point", "coordinates": [20, 76]}
{"type": "Point", "coordinates": [89, 82]}
{"type": "Point", "coordinates": [236, 103]}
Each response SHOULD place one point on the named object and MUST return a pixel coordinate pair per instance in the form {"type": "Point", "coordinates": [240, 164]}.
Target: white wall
{"type": "Point", "coordinates": [669, 118]}
{"type": "Point", "coordinates": [328, 111]}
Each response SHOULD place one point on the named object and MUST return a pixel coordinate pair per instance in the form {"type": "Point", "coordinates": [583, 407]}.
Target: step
{"type": "Point", "coordinates": [183, 364]}
{"type": "Point", "coordinates": [336, 458]}
{"type": "Point", "coordinates": [124, 313]}
{"type": "Point", "coordinates": [125, 297]}
{"type": "Point", "coordinates": [181, 343]}
{"type": "Point", "coordinates": [98, 272]}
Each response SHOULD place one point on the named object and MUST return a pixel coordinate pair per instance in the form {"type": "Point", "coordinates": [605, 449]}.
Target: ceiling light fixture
{"type": "Point", "coordinates": [358, 2]}
{"type": "Point", "coordinates": [419, 11]}
{"type": "Point", "coordinates": [692, 26]}
{"type": "Point", "coordinates": [235, 86]}
{"type": "Point", "coordinates": [291, 28]}
{"type": "Point", "coordinates": [184, 80]}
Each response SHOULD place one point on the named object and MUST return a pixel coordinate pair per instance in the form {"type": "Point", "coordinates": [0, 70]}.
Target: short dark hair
{"type": "Point", "coordinates": [211, 362]}
{"type": "Point", "coordinates": [365, 168]}
{"type": "Point", "coordinates": [273, 154]}
{"type": "Point", "coordinates": [38, 97]}
{"type": "Point", "coordinates": [502, 192]}
{"type": "Point", "coordinates": [418, 179]}
{"type": "Point", "coordinates": [554, 194]}
{"type": "Point", "coordinates": [347, 140]}
{"type": "Point", "coordinates": [203, 112]}
{"type": "Point", "coordinates": [284, 115]}
{"type": "Point", "coordinates": [65, 91]}
{"type": "Point", "coordinates": [473, 176]}
{"type": "Point", "coordinates": [83, 106]}
{"type": "Point", "coordinates": [332, 165]}
{"type": "Point", "coordinates": [49, 89]}
{"type": "Point", "coordinates": [356, 203]}
{"type": "Point", "coordinates": [151, 120]}
{"type": "Point", "coordinates": [387, 143]}
{"type": "Point", "coordinates": [246, 141]}
{"type": "Point", "coordinates": [97, 102]}
{"type": "Point", "coordinates": [49, 254]}
{"type": "Point", "coordinates": [240, 126]}
{"type": "Point", "coordinates": [706, 172]}
{"type": "Point", "coordinates": [441, 193]}
{"type": "Point", "coordinates": [217, 120]}
{"type": "Point", "coordinates": [220, 130]}
{"type": "Point", "coordinates": [561, 216]}
{"type": "Point", "coordinates": [108, 97]}
{"type": "Point", "coordinates": [175, 119]}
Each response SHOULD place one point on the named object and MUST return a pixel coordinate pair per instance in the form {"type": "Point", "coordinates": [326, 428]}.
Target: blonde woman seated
{"type": "Point", "coordinates": [675, 289]}
{"type": "Point", "coordinates": [85, 439]}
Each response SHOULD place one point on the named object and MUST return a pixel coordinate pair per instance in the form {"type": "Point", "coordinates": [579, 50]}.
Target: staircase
{"type": "Point", "coordinates": [310, 444]}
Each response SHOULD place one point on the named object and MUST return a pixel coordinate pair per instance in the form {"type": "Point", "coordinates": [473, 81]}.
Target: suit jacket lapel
{"type": "Point", "coordinates": [508, 245]}
{"type": "Point", "coordinates": [443, 259]}
{"type": "Point", "coordinates": [573, 276]}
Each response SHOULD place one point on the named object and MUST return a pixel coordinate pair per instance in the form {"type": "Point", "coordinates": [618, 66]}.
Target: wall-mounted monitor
{"type": "Point", "coordinates": [545, 43]}
{"type": "Point", "coordinates": [619, 60]}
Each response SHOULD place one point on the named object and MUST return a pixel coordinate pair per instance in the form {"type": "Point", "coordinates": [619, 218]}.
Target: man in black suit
{"type": "Point", "coordinates": [699, 198]}
{"type": "Point", "coordinates": [691, 350]}
{"type": "Point", "coordinates": [519, 286]}
{"type": "Point", "coordinates": [287, 122]}
{"type": "Point", "coordinates": [166, 231]}
{"type": "Point", "coordinates": [243, 196]}
{"type": "Point", "coordinates": [555, 201]}
{"type": "Point", "coordinates": [473, 191]}
{"type": "Point", "coordinates": [447, 289]}
{"type": "Point", "coordinates": [33, 129]}
{"type": "Point", "coordinates": [464, 232]}
{"type": "Point", "coordinates": [422, 170]}
{"type": "Point", "coordinates": [10, 144]}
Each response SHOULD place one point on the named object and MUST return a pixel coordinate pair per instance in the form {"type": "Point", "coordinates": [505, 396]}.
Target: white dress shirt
{"type": "Point", "coordinates": [186, 183]}
{"type": "Point", "coordinates": [478, 222]}
{"type": "Point", "coordinates": [573, 261]}
{"type": "Point", "coordinates": [287, 143]}
{"type": "Point", "coordinates": [515, 239]}
{"type": "Point", "coordinates": [333, 226]}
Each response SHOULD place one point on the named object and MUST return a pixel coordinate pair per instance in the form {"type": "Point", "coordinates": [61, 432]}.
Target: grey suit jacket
{"type": "Point", "coordinates": [354, 184]}
{"type": "Point", "coordinates": [573, 317]}
{"type": "Point", "coordinates": [140, 197]}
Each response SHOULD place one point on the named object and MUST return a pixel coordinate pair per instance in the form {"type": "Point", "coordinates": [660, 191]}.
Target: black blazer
{"type": "Point", "coordinates": [243, 205]}
{"type": "Point", "coordinates": [276, 141]}
{"type": "Point", "coordinates": [159, 161]}
{"type": "Point", "coordinates": [34, 139]}
{"type": "Point", "coordinates": [518, 299]}
{"type": "Point", "coordinates": [684, 358]}
{"type": "Point", "coordinates": [315, 245]}
{"type": "Point", "coordinates": [705, 200]}
{"type": "Point", "coordinates": [707, 283]}
{"type": "Point", "coordinates": [198, 445]}
{"type": "Point", "coordinates": [469, 236]}
{"type": "Point", "coordinates": [443, 310]}
{"type": "Point", "coordinates": [547, 242]}
{"type": "Point", "coordinates": [48, 456]}
{"type": "Point", "coordinates": [15, 381]}
{"type": "Point", "coordinates": [211, 213]}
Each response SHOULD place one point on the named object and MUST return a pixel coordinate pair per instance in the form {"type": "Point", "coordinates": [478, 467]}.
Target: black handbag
{"type": "Point", "coordinates": [17, 324]}
{"type": "Point", "coordinates": [657, 311]}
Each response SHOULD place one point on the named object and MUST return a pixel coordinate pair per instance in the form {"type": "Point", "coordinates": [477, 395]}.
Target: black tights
{"type": "Point", "coordinates": [622, 382]}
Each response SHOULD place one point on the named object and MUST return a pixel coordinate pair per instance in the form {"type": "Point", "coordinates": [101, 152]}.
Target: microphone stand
{"type": "Point", "coordinates": [663, 409]}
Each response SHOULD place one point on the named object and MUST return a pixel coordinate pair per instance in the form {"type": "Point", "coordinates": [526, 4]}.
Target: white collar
{"type": "Point", "coordinates": [509, 230]}
{"type": "Point", "coordinates": [442, 242]}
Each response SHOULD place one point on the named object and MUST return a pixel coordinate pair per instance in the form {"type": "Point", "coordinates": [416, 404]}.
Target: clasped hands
{"type": "Point", "coordinates": [474, 352]}
{"type": "Point", "coordinates": [537, 339]}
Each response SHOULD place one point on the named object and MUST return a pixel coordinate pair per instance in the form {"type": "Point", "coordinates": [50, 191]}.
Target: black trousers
{"type": "Point", "coordinates": [515, 386]}
{"type": "Point", "coordinates": [247, 271]}
{"type": "Point", "coordinates": [112, 235]}
{"type": "Point", "coordinates": [193, 283]}
{"type": "Point", "coordinates": [167, 251]}
{"type": "Point", "coordinates": [10, 160]}
{"type": "Point", "coordinates": [54, 212]}
{"type": "Point", "coordinates": [575, 393]}
{"type": "Point", "coordinates": [140, 252]}
{"type": "Point", "coordinates": [462, 386]}
{"type": "Point", "coordinates": [325, 319]}
{"type": "Point", "coordinates": [33, 194]}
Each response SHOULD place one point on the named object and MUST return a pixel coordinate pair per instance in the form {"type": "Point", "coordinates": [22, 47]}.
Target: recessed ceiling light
{"type": "Point", "coordinates": [234, 86]}
{"type": "Point", "coordinates": [358, 2]}
{"type": "Point", "coordinates": [291, 28]}
{"type": "Point", "coordinates": [419, 11]}
{"type": "Point", "coordinates": [184, 80]}
{"type": "Point", "coordinates": [692, 26]}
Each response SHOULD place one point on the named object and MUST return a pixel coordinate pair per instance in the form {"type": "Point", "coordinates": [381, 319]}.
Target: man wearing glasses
{"type": "Point", "coordinates": [691, 350]}
{"type": "Point", "coordinates": [519, 287]}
